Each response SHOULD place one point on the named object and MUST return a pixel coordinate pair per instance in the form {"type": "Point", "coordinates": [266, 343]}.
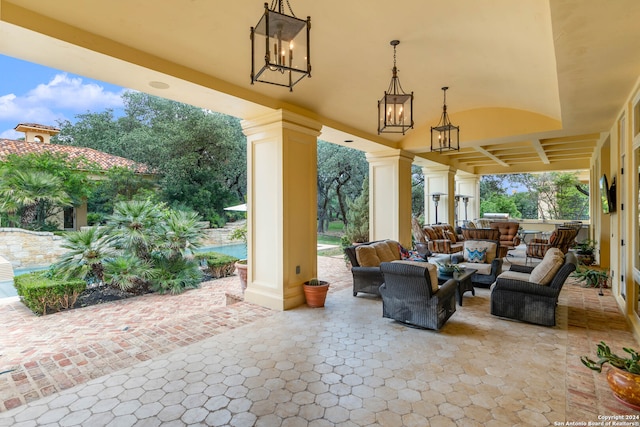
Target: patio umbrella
{"type": "Point", "coordinates": [242, 208]}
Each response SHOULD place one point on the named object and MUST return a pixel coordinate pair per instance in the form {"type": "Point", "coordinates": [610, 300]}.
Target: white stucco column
{"type": "Point", "coordinates": [468, 185]}
{"type": "Point", "coordinates": [390, 196]}
{"type": "Point", "coordinates": [282, 208]}
{"type": "Point", "coordinates": [439, 179]}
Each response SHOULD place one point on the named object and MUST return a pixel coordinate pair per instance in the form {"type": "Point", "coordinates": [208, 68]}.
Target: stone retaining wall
{"type": "Point", "coordinates": [24, 248]}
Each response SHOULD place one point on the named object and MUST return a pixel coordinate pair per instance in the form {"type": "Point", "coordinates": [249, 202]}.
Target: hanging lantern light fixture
{"type": "Point", "coordinates": [280, 47]}
{"type": "Point", "coordinates": [395, 109]}
{"type": "Point", "coordinates": [445, 136]}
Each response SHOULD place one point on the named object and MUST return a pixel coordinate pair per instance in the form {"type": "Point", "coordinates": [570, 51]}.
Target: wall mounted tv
{"type": "Point", "coordinates": [607, 195]}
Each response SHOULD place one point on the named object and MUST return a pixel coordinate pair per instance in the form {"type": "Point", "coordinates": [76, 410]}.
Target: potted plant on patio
{"type": "Point", "coordinates": [592, 278]}
{"type": "Point", "coordinates": [240, 233]}
{"type": "Point", "coordinates": [623, 376]}
{"type": "Point", "coordinates": [315, 292]}
{"type": "Point", "coordinates": [585, 251]}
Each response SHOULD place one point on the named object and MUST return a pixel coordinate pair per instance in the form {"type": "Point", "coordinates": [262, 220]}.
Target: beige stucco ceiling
{"type": "Point", "coordinates": [534, 84]}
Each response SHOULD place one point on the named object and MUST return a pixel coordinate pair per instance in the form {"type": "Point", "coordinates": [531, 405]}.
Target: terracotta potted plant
{"type": "Point", "coordinates": [315, 292]}
{"type": "Point", "coordinates": [623, 376]}
{"type": "Point", "coordinates": [240, 233]}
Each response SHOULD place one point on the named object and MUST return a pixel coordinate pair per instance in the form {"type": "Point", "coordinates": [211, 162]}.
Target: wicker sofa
{"type": "Point", "coordinates": [519, 295]}
{"type": "Point", "coordinates": [442, 238]}
{"type": "Point", "coordinates": [410, 294]}
{"type": "Point", "coordinates": [365, 263]}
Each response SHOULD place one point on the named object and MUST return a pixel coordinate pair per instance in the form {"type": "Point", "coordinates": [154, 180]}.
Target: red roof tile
{"type": "Point", "coordinates": [103, 160]}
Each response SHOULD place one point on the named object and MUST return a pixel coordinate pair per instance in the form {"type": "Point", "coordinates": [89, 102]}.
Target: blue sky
{"type": "Point", "coordinates": [32, 93]}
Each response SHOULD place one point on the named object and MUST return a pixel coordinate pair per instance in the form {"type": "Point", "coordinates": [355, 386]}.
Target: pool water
{"type": "Point", "coordinates": [237, 250]}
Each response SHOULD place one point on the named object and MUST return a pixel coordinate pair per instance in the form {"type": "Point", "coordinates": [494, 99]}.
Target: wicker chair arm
{"type": "Point", "coordinates": [525, 287]}
{"type": "Point", "coordinates": [447, 288]}
{"type": "Point", "coordinates": [496, 267]}
{"type": "Point", "coordinates": [521, 268]}
{"type": "Point", "coordinates": [366, 272]}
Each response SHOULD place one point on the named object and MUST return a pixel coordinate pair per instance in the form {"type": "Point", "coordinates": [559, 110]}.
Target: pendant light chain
{"type": "Point", "coordinates": [279, 4]}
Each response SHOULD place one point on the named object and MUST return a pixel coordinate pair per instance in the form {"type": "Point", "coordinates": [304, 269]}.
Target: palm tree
{"type": "Point", "coordinates": [31, 191]}
{"type": "Point", "coordinates": [129, 273]}
{"type": "Point", "coordinates": [89, 249]}
{"type": "Point", "coordinates": [181, 231]}
{"type": "Point", "coordinates": [134, 225]}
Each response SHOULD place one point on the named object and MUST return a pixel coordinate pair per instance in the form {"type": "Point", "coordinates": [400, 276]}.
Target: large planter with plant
{"type": "Point", "coordinates": [592, 278]}
{"type": "Point", "coordinates": [315, 292]}
{"type": "Point", "coordinates": [241, 269]}
{"type": "Point", "coordinates": [623, 376]}
{"type": "Point", "coordinates": [585, 252]}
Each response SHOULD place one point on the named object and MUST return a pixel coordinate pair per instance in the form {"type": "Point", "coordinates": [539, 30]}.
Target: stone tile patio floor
{"type": "Point", "coordinates": [191, 360]}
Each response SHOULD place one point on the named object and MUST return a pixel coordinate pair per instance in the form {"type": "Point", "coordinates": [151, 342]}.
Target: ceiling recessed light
{"type": "Point", "coordinates": [159, 85]}
{"type": "Point", "coordinates": [348, 141]}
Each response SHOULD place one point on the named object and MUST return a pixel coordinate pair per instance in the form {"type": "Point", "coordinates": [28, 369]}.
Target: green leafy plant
{"type": "Point", "coordinates": [218, 265]}
{"type": "Point", "coordinates": [45, 294]}
{"type": "Point", "coordinates": [239, 233]}
{"type": "Point", "coordinates": [630, 364]}
{"type": "Point", "coordinates": [446, 266]}
{"type": "Point", "coordinates": [315, 282]}
{"type": "Point", "coordinates": [586, 247]}
{"type": "Point", "coordinates": [592, 278]}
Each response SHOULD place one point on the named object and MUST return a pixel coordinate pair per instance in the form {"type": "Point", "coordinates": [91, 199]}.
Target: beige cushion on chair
{"type": "Point", "coordinates": [367, 256]}
{"type": "Point", "coordinates": [384, 252]}
{"type": "Point", "coordinates": [514, 275]}
{"type": "Point", "coordinates": [544, 272]}
{"type": "Point", "coordinates": [433, 272]}
{"type": "Point", "coordinates": [481, 268]}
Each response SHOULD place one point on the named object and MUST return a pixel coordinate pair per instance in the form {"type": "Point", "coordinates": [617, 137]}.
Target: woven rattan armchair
{"type": "Point", "coordinates": [530, 302]}
{"type": "Point", "coordinates": [561, 238]}
{"type": "Point", "coordinates": [407, 296]}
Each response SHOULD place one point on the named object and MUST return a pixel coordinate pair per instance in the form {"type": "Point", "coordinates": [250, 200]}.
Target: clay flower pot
{"type": "Point", "coordinates": [625, 387]}
{"type": "Point", "coordinates": [241, 268]}
{"type": "Point", "coordinates": [315, 295]}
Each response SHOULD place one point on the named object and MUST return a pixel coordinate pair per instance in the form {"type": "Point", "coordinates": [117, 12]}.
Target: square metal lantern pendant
{"type": "Point", "coordinates": [280, 47]}
{"type": "Point", "coordinates": [445, 136]}
{"type": "Point", "coordinates": [395, 109]}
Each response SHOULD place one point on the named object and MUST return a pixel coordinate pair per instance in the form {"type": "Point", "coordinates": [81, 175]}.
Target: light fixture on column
{"type": "Point", "coordinates": [445, 136]}
{"type": "Point", "coordinates": [465, 200]}
{"type": "Point", "coordinates": [395, 109]}
{"type": "Point", "coordinates": [280, 47]}
{"type": "Point", "coordinates": [436, 198]}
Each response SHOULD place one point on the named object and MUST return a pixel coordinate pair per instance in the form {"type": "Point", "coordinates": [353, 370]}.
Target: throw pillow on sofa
{"type": "Point", "coordinates": [489, 246]}
{"type": "Point", "coordinates": [476, 255]}
{"type": "Point", "coordinates": [544, 272]}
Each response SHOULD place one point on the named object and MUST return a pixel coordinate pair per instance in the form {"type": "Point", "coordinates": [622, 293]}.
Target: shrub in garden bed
{"type": "Point", "coordinates": [217, 265]}
{"type": "Point", "coordinates": [44, 294]}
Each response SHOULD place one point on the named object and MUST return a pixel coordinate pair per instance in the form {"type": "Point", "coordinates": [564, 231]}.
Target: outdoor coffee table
{"type": "Point", "coordinates": [463, 280]}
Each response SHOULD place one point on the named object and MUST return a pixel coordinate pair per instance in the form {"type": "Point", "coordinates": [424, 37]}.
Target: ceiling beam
{"type": "Point", "coordinates": [540, 149]}
{"type": "Point", "coordinates": [491, 156]}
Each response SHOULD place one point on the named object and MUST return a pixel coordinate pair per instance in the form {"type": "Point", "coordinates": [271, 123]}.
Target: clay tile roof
{"type": "Point", "coordinates": [103, 160]}
{"type": "Point", "coordinates": [37, 126]}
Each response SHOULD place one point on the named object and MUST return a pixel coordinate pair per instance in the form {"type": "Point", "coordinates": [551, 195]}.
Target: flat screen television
{"type": "Point", "coordinates": [608, 203]}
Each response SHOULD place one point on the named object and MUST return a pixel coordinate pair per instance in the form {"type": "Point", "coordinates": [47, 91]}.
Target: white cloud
{"type": "Point", "coordinates": [11, 134]}
{"type": "Point", "coordinates": [71, 93]}
{"type": "Point", "coordinates": [62, 98]}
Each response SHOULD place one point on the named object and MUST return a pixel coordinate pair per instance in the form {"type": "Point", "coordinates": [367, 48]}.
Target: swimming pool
{"type": "Point", "coordinates": [236, 250]}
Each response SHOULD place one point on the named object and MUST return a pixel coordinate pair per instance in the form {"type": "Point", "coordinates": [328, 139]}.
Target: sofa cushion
{"type": "Point", "coordinates": [394, 247]}
{"type": "Point", "coordinates": [451, 236]}
{"type": "Point", "coordinates": [490, 250]}
{"type": "Point", "coordinates": [367, 256]}
{"type": "Point", "coordinates": [430, 232]}
{"type": "Point", "coordinates": [514, 275]}
{"type": "Point", "coordinates": [475, 255]}
{"type": "Point", "coordinates": [544, 272]}
{"type": "Point", "coordinates": [484, 269]}
{"type": "Point", "coordinates": [384, 252]}
{"type": "Point", "coordinates": [433, 272]}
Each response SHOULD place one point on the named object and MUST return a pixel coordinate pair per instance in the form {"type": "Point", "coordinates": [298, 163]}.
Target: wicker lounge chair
{"type": "Point", "coordinates": [408, 295]}
{"type": "Point", "coordinates": [530, 302]}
